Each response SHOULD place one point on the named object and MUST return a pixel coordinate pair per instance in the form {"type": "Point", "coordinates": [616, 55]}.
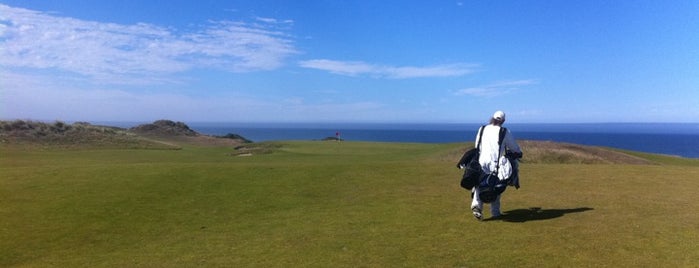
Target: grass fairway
{"type": "Point", "coordinates": [334, 204]}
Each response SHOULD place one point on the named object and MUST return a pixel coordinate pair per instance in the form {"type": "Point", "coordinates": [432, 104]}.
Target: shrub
{"type": "Point", "coordinates": [235, 137]}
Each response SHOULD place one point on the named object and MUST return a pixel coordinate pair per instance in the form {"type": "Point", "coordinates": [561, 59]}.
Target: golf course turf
{"type": "Point", "coordinates": [335, 204]}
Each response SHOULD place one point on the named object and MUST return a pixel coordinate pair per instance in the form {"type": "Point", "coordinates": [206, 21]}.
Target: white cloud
{"type": "Point", "coordinates": [48, 100]}
{"type": "Point", "coordinates": [116, 52]}
{"type": "Point", "coordinates": [356, 68]}
{"type": "Point", "coordinates": [274, 21]}
{"type": "Point", "coordinates": [338, 67]}
{"type": "Point", "coordinates": [494, 90]}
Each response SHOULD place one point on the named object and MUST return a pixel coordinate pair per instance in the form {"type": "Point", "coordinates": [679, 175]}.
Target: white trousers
{"type": "Point", "coordinates": [476, 202]}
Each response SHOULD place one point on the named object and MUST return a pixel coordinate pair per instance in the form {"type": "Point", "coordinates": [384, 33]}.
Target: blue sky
{"type": "Point", "coordinates": [350, 61]}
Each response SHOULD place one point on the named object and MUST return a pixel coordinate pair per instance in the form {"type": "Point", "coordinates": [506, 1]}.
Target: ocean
{"type": "Point", "coordinates": [678, 139]}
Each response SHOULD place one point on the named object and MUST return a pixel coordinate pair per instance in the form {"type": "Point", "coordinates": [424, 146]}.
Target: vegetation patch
{"type": "Point", "coordinates": [256, 148]}
{"type": "Point", "coordinates": [233, 136]}
{"type": "Point", "coordinates": [161, 134]}
{"type": "Point", "coordinates": [164, 128]}
{"type": "Point", "coordinates": [566, 153]}
{"type": "Point", "coordinates": [547, 152]}
{"type": "Point", "coordinates": [76, 135]}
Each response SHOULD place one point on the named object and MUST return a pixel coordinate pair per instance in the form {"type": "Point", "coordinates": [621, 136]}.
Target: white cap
{"type": "Point", "coordinates": [499, 115]}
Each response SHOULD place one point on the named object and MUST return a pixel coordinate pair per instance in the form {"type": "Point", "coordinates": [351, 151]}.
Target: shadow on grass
{"type": "Point", "coordinates": [536, 214]}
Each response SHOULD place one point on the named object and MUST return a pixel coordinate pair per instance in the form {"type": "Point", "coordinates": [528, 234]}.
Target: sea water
{"type": "Point", "coordinates": [680, 139]}
{"type": "Point", "coordinates": [672, 139]}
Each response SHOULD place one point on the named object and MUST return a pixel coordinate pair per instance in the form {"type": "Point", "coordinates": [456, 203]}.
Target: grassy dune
{"type": "Point", "coordinates": [161, 134]}
{"type": "Point", "coordinates": [338, 204]}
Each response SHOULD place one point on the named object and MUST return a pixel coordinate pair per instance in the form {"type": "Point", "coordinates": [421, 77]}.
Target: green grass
{"type": "Point", "coordinates": [334, 204]}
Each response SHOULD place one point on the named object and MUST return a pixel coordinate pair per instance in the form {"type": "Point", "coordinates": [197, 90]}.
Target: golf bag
{"type": "Point", "coordinates": [489, 185]}
{"type": "Point", "coordinates": [473, 171]}
{"type": "Point", "coordinates": [469, 161]}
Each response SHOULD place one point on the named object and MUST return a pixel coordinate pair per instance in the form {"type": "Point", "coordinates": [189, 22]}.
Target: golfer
{"type": "Point", "coordinates": [489, 153]}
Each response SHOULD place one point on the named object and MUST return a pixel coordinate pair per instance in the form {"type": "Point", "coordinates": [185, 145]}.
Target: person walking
{"type": "Point", "coordinates": [492, 159]}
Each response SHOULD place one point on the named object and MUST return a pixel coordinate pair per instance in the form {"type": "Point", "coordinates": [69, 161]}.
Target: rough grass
{"type": "Point", "coordinates": [556, 153]}
{"type": "Point", "coordinates": [33, 135]}
{"type": "Point", "coordinates": [547, 152]}
{"type": "Point", "coordinates": [162, 134]}
{"type": "Point", "coordinates": [338, 204]}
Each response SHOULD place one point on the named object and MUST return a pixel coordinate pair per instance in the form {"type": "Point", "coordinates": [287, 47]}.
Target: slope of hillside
{"type": "Point", "coordinates": [162, 134]}
{"type": "Point", "coordinates": [557, 152]}
{"type": "Point", "coordinates": [164, 128]}
{"type": "Point", "coordinates": [547, 152]}
{"type": "Point", "coordinates": [76, 135]}
{"type": "Point", "coordinates": [180, 133]}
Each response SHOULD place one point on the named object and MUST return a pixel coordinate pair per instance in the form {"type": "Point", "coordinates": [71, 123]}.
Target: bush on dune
{"type": "Point", "coordinates": [79, 134]}
{"type": "Point", "coordinates": [161, 134]}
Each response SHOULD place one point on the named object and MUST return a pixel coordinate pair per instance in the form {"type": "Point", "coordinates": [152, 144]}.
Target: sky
{"type": "Point", "coordinates": [547, 61]}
